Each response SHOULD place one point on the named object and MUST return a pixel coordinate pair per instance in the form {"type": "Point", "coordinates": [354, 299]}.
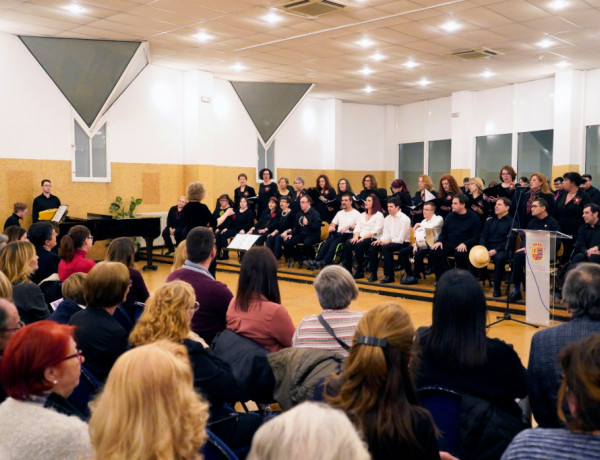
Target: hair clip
{"type": "Point", "coordinates": [372, 341]}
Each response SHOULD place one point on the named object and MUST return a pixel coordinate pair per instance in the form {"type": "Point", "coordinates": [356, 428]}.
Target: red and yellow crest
{"type": "Point", "coordinates": [537, 252]}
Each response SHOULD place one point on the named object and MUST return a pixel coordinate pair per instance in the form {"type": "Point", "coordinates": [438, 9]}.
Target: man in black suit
{"type": "Point", "coordinates": [581, 294]}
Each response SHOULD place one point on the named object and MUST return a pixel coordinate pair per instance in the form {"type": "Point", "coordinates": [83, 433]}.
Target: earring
{"type": "Point", "coordinates": [55, 382]}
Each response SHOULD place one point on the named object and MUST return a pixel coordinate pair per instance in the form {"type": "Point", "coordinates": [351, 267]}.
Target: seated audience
{"type": "Point", "coordinates": [123, 250]}
{"type": "Point", "coordinates": [3, 240]}
{"type": "Point", "coordinates": [213, 296]}
{"type": "Point", "coordinates": [148, 408]}
{"type": "Point", "coordinates": [267, 222]}
{"type": "Point", "coordinates": [581, 295]}
{"type": "Point", "coordinates": [175, 226]}
{"type": "Point", "coordinates": [100, 337]}
{"type": "Point", "coordinates": [326, 195]}
{"type": "Point", "coordinates": [179, 256]}
{"type": "Point", "coordinates": [306, 232]}
{"type": "Point", "coordinates": [17, 261]}
{"type": "Point", "coordinates": [244, 190]}
{"type": "Point", "coordinates": [73, 298]}
{"type": "Point", "coordinates": [6, 291]}
{"type": "Point", "coordinates": [285, 224]}
{"type": "Point", "coordinates": [15, 233]}
{"type": "Point", "coordinates": [9, 324]}
{"type": "Point", "coordinates": [19, 213]}
{"type": "Point", "coordinates": [240, 222]}
{"type": "Point", "coordinates": [308, 431]}
{"type": "Point", "coordinates": [333, 329]}
{"type": "Point", "coordinates": [40, 368]}
{"type": "Point", "coordinates": [587, 243]}
{"type": "Point", "coordinates": [43, 236]}
{"type": "Point", "coordinates": [578, 408]}
{"type": "Point", "coordinates": [376, 389]}
{"type": "Point", "coordinates": [256, 311]}
{"type": "Point", "coordinates": [168, 316]}
{"type": "Point", "coordinates": [73, 249]}
{"type": "Point", "coordinates": [368, 229]}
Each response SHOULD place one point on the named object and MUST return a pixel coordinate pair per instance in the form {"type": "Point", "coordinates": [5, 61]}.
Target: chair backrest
{"type": "Point", "coordinates": [444, 406]}
{"type": "Point", "coordinates": [215, 449]}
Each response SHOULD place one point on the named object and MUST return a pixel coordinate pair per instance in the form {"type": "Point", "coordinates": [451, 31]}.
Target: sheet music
{"type": "Point", "coordinates": [243, 242]}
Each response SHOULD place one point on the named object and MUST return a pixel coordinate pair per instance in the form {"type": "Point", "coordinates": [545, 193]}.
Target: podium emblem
{"type": "Point", "coordinates": [537, 252]}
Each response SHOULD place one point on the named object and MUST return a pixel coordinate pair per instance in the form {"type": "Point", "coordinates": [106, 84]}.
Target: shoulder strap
{"type": "Point", "coordinates": [328, 328]}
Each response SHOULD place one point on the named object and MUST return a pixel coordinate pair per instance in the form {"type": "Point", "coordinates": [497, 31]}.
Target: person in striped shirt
{"type": "Point", "coordinates": [336, 289]}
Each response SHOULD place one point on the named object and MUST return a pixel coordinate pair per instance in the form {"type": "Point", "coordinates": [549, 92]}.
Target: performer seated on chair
{"type": "Point", "coordinates": [307, 230]}
{"type": "Point", "coordinates": [267, 222]}
{"type": "Point", "coordinates": [175, 226]}
{"type": "Point", "coordinates": [241, 221]}
{"type": "Point", "coordinates": [340, 230]}
{"type": "Point", "coordinates": [540, 221]}
{"type": "Point", "coordinates": [459, 234]}
{"type": "Point", "coordinates": [494, 236]}
{"type": "Point", "coordinates": [418, 251]}
{"type": "Point", "coordinates": [395, 237]}
{"type": "Point", "coordinates": [587, 244]}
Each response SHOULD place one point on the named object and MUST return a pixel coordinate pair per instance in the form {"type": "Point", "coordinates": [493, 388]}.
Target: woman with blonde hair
{"type": "Point", "coordinates": [6, 290]}
{"type": "Point", "coordinates": [123, 250]}
{"type": "Point", "coordinates": [18, 260]}
{"type": "Point", "coordinates": [167, 316]}
{"type": "Point", "coordinates": [376, 389]}
{"type": "Point", "coordinates": [179, 256]}
{"type": "Point", "coordinates": [148, 408]}
{"type": "Point", "coordinates": [538, 188]}
{"type": "Point", "coordinates": [476, 201]}
{"type": "Point", "coordinates": [425, 183]}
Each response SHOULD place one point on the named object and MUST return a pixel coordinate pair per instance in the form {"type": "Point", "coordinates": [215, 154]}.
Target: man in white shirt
{"type": "Point", "coordinates": [395, 236]}
{"type": "Point", "coordinates": [340, 230]}
{"type": "Point", "coordinates": [435, 223]}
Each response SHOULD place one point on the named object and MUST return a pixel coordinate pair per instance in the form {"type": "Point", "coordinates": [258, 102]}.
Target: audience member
{"type": "Point", "coordinates": [213, 296]}
{"type": "Point", "coordinates": [587, 243]}
{"type": "Point", "coordinates": [588, 188]}
{"type": "Point", "coordinates": [306, 231]}
{"type": "Point", "coordinates": [17, 261]}
{"type": "Point", "coordinates": [3, 240]}
{"type": "Point", "coordinates": [308, 431]}
{"type": "Point", "coordinates": [123, 250]}
{"type": "Point", "coordinates": [73, 299]}
{"type": "Point", "coordinates": [44, 201]}
{"type": "Point", "coordinates": [256, 311]}
{"type": "Point", "coordinates": [175, 226]}
{"type": "Point", "coordinates": [40, 368]}
{"type": "Point", "coordinates": [376, 390]}
{"type": "Point", "coordinates": [43, 236]}
{"type": "Point", "coordinates": [100, 337]}
{"type": "Point", "coordinates": [578, 407]}
{"type": "Point", "coordinates": [73, 249]}
{"type": "Point", "coordinates": [10, 322]}
{"type": "Point", "coordinates": [15, 233]}
{"type": "Point", "coordinates": [6, 291]}
{"type": "Point", "coordinates": [148, 408]}
{"type": "Point", "coordinates": [19, 213]}
{"type": "Point", "coordinates": [581, 295]}
{"type": "Point", "coordinates": [179, 256]}
{"type": "Point", "coordinates": [333, 329]}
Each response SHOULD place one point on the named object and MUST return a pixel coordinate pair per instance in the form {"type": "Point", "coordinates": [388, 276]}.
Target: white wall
{"type": "Point", "coordinates": [592, 98]}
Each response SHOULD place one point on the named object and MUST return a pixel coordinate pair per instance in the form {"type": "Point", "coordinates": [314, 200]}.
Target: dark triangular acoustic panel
{"type": "Point", "coordinates": [269, 104]}
{"type": "Point", "coordinates": [85, 71]}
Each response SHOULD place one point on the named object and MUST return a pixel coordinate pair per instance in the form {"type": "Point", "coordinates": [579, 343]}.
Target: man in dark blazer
{"type": "Point", "coordinates": [581, 294]}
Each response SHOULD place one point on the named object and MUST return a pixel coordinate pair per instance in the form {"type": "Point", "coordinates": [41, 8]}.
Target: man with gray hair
{"type": "Point", "coordinates": [9, 324]}
{"type": "Point", "coordinates": [581, 295]}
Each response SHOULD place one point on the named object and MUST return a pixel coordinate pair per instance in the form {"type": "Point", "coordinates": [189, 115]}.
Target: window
{"type": "Point", "coordinates": [439, 159]}
{"type": "Point", "coordinates": [90, 155]}
{"type": "Point", "coordinates": [266, 159]}
{"type": "Point", "coordinates": [410, 163]}
{"type": "Point", "coordinates": [535, 153]}
{"type": "Point", "coordinates": [491, 153]}
{"type": "Point", "coordinates": [592, 151]}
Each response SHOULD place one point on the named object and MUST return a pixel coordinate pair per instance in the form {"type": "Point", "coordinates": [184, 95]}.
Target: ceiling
{"type": "Point", "coordinates": [325, 51]}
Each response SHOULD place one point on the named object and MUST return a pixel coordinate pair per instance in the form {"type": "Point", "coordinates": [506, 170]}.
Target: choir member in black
{"type": "Point", "coordinates": [507, 177]}
{"type": "Point", "coordinates": [523, 181]}
{"type": "Point", "coordinates": [569, 210]}
{"type": "Point", "coordinates": [538, 188]}
{"type": "Point", "coordinates": [299, 192]}
{"type": "Point", "coordinates": [242, 221]}
{"type": "Point", "coordinates": [477, 204]}
{"type": "Point", "coordinates": [267, 222]}
{"type": "Point", "coordinates": [326, 193]}
{"type": "Point", "coordinates": [266, 189]}
{"type": "Point", "coordinates": [419, 198]}
{"type": "Point", "coordinates": [175, 226]}
{"type": "Point", "coordinates": [370, 186]}
{"type": "Point", "coordinates": [284, 223]}
{"type": "Point", "coordinates": [223, 204]}
{"type": "Point", "coordinates": [400, 190]}
{"type": "Point", "coordinates": [558, 186]}
{"type": "Point", "coordinates": [284, 188]}
{"type": "Point", "coordinates": [307, 230]}
{"type": "Point", "coordinates": [243, 190]}
{"type": "Point", "coordinates": [343, 186]}
{"type": "Point", "coordinates": [588, 188]}
{"type": "Point", "coordinates": [448, 187]}
{"type": "Point", "coordinates": [195, 213]}
{"type": "Point", "coordinates": [587, 243]}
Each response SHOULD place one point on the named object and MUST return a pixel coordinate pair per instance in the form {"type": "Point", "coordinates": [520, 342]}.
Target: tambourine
{"type": "Point", "coordinates": [424, 237]}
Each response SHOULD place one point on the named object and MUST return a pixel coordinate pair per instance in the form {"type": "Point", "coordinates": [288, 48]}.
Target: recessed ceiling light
{"type": "Point", "coordinates": [424, 82]}
{"type": "Point", "coordinates": [377, 56]}
{"type": "Point", "coordinates": [365, 42]}
{"type": "Point", "coordinates": [74, 8]}
{"type": "Point", "coordinates": [238, 66]}
{"type": "Point", "coordinates": [563, 64]}
{"type": "Point", "coordinates": [545, 43]}
{"type": "Point", "coordinates": [368, 89]}
{"type": "Point", "coordinates": [451, 26]}
{"type": "Point", "coordinates": [487, 73]}
{"type": "Point", "coordinates": [410, 64]}
{"type": "Point", "coordinates": [558, 4]}
{"type": "Point", "coordinates": [366, 70]}
{"type": "Point", "coordinates": [272, 17]}
{"type": "Point", "coordinates": [203, 37]}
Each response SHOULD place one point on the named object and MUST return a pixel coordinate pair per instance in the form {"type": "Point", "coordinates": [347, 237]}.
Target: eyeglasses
{"type": "Point", "coordinates": [78, 354]}
{"type": "Point", "coordinates": [535, 206]}
{"type": "Point", "coordinates": [195, 307]}
{"type": "Point", "coordinates": [20, 324]}
{"type": "Point", "coordinates": [90, 238]}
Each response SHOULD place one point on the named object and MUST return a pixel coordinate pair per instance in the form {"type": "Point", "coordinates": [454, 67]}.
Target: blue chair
{"type": "Point", "coordinates": [444, 406]}
{"type": "Point", "coordinates": [215, 449]}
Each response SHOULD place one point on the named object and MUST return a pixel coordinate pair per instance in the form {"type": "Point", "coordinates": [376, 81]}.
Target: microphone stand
{"type": "Point", "coordinates": [506, 316]}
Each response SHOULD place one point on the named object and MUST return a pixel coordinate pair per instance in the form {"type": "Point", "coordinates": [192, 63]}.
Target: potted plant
{"type": "Point", "coordinates": [118, 208]}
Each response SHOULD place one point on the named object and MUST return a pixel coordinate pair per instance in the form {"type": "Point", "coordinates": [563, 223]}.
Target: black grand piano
{"type": "Point", "coordinates": [104, 227]}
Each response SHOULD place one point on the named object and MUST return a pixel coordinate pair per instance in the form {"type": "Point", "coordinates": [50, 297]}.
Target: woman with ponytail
{"type": "Point", "coordinates": [74, 246]}
{"type": "Point", "coordinates": [376, 389]}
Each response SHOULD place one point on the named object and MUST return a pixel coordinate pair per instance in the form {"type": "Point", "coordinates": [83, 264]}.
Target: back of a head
{"type": "Point", "coordinates": [258, 277]}
{"type": "Point", "coordinates": [195, 191]}
{"type": "Point", "coordinates": [335, 287]}
{"type": "Point", "coordinates": [581, 291]}
{"type": "Point", "coordinates": [14, 260]}
{"type": "Point", "coordinates": [308, 431]}
{"type": "Point", "coordinates": [72, 241]}
{"type": "Point", "coordinates": [14, 233]}
{"type": "Point", "coordinates": [106, 285]}
{"type": "Point", "coordinates": [6, 291]}
{"type": "Point", "coordinates": [73, 288]}
{"type": "Point", "coordinates": [121, 250]}
{"type": "Point", "coordinates": [39, 233]}
{"type": "Point", "coordinates": [179, 256]}
{"type": "Point", "coordinates": [199, 244]}
{"type": "Point", "coordinates": [457, 336]}
{"type": "Point", "coordinates": [148, 408]}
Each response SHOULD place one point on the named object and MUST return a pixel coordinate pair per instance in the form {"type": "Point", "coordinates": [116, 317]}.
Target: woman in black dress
{"type": "Point", "coordinates": [241, 222]}
{"type": "Point", "coordinates": [539, 188]}
{"type": "Point", "coordinates": [326, 194]}
{"type": "Point", "coordinates": [195, 213]}
{"type": "Point", "coordinates": [425, 183]}
{"type": "Point", "coordinates": [400, 190]}
{"type": "Point", "coordinates": [448, 187]}
{"type": "Point", "coordinates": [285, 222]}
{"type": "Point", "coordinates": [283, 188]}
{"type": "Point", "coordinates": [569, 210]}
{"type": "Point", "coordinates": [298, 193]}
{"type": "Point", "coordinates": [266, 189]}
{"type": "Point", "coordinates": [267, 222]}
{"type": "Point", "coordinates": [243, 190]}
{"type": "Point", "coordinates": [223, 204]}
{"type": "Point", "coordinates": [477, 204]}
